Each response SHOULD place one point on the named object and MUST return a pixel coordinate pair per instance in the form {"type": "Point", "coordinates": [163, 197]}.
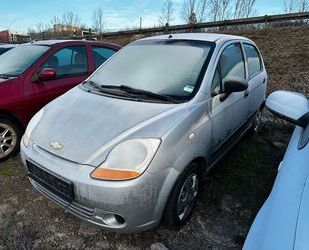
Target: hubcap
{"type": "Point", "coordinates": [8, 140]}
{"type": "Point", "coordinates": [187, 196]}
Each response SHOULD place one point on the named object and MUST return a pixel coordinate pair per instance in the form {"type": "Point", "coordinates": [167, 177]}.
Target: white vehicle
{"type": "Point", "coordinates": [283, 221]}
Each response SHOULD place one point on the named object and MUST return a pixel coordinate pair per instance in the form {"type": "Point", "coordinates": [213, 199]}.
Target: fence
{"type": "Point", "coordinates": [293, 18]}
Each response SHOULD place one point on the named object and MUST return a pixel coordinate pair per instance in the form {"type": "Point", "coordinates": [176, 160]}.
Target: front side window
{"type": "Point", "coordinates": [69, 61]}
{"type": "Point", "coordinates": [170, 68]}
{"type": "Point", "coordinates": [100, 55]}
{"type": "Point", "coordinates": [253, 59]}
{"type": "Point", "coordinates": [232, 62]}
{"type": "Point", "coordinates": [17, 60]}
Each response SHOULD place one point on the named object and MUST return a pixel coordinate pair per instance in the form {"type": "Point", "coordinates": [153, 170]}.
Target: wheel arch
{"type": "Point", "coordinates": [10, 115]}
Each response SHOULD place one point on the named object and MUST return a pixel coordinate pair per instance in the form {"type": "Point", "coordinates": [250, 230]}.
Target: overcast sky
{"type": "Point", "coordinates": [23, 14]}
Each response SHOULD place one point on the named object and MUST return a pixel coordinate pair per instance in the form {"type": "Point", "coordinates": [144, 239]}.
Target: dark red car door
{"type": "Point", "coordinates": [71, 64]}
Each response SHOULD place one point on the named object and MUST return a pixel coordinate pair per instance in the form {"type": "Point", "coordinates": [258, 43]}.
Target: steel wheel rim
{"type": "Point", "coordinates": [187, 196]}
{"type": "Point", "coordinates": [8, 140]}
{"type": "Point", "coordinates": [257, 122]}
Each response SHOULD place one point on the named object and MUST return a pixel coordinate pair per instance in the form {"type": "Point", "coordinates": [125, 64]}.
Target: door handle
{"type": "Point", "coordinates": [264, 80]}
{"type": "Point", "coordinates": [246, 93]}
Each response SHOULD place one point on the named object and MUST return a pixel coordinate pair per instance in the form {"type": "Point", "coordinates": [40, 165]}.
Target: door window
{"type": "Point", "coordinates": [69, 61]}
{"type": "Point", "coordinates": [100, 55]}
{"type": "Point", "coordinates": [253, 59]}
{"type": "Point", "coordinates": [231, 64]}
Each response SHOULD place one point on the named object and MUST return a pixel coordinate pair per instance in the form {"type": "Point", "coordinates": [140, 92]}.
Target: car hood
{"type": "Point", "coordinates": [88, 125]}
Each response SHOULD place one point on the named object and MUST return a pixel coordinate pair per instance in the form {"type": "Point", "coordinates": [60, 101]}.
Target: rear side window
{"type": "Point", "coordinates": [253, 59]}
{"type": "Point", "coordinates": [69, 61]}
{"type": "Point", "coordinates": [100, 55]}
{"type": "Point", "coordinates": [232, 62]}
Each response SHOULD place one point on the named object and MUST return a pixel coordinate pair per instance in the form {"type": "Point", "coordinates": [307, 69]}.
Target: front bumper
{"type": "Point", "coordinates": [139, 202]}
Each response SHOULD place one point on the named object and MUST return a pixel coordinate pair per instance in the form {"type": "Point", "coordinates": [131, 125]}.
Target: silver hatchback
{"type": "Point", "coordinates": [127, 148]}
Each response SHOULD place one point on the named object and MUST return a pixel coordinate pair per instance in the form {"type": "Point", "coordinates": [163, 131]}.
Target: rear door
{"type": "Point", "coordinates": [72, 67]}
{"type": "Point", "coordinates": [230, 114]}
{"type": "Point", "coordinates": [257, 78]}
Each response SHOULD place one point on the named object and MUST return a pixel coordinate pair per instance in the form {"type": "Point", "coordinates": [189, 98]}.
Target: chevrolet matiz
{"type": "Point", "coordinates": [128, 147]}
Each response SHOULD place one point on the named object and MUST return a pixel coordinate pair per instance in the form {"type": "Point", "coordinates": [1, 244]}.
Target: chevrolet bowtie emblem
{"type": "Point", "coordinates": [56, 145]}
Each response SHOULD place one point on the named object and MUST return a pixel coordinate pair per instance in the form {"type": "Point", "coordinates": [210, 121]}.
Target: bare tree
{"type": "Point", "coordinates": [70, 19]}
{"type": "Point", "coordinates": [303, 5]}
{"type": "Point", "coordinates": [219, 9]}
{"type": "Point", "coordinates": [202, 10]}
{"type": "Point", "coordinates": [167, 13]}
{"type": "Point", "coordinates": [193, 10]}
{"type": "Point", "coordinates": [40, 27]}
{"type": "Point", "coordinates": [290, 6]}
{"type": "Point", "coordinates": [244, 8]}
{"type": "Point", "coordinates": [189, 8]}
{"type": "Point", "coordinates": [296, 6]}
{"type": "Point", "coordinates": [56, 24]}
{"type": "Point", "coordinates": [98, 20]}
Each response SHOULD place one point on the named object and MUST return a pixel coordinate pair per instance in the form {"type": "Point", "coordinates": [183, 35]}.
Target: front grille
{"type": "Point", "coordinates": [73, 207]}
{"type": "Point", "coordinates": [59, 186]}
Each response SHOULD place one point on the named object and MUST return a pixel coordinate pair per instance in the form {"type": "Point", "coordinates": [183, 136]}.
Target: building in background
{"type": "Point", "coordinates": [10, 36]}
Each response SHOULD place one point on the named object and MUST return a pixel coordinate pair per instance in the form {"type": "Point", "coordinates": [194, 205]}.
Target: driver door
{"type": "Point", "coordinates": [227, 115]}
{"type": "Point", "coordinates": [71, 66]}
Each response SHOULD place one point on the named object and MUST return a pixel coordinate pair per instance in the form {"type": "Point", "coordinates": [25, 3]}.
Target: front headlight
{"type": "Point", "coordinates": [31, 126]}
{"type": "Point", "coordinates": [127, 160]}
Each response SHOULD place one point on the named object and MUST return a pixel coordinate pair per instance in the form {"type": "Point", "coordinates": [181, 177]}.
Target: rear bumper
{"type": "Point", "coordinates": [139, 202]}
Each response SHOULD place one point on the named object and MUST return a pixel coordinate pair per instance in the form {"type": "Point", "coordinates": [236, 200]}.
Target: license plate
{"type": "Point", "coordinates": [52, 183]}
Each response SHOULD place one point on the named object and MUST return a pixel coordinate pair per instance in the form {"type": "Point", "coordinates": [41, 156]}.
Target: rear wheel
{"type": "Point", "coordinates": [183, 198]}
{"type": "Point", "coordinates": [10, 135]}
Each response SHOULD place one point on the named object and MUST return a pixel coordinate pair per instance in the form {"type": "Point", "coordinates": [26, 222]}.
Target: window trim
{"type": "Point", "coordinates": [260, 58]}
{"type": "Point", "coordinates": [68, 75]}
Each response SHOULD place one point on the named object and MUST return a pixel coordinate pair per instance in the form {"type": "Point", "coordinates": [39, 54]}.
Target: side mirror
{"type": "Point", "coordinates": [47, 74]}
{"type": "Point", "coordinates": [235, 84]}
{"type": "Point", "coordinates": [290, 106]}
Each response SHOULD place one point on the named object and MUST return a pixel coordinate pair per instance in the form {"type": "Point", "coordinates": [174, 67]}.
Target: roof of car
{"type": "Point", "coordinates": [55, 42]}
{"type": "Point", "coordinates": [209, 37]}
{"type": "Point", "coordinates": [7, 45]}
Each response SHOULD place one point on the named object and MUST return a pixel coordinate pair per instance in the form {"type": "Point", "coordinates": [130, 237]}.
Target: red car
{"type": "Point", "coordinates": [33, 74]}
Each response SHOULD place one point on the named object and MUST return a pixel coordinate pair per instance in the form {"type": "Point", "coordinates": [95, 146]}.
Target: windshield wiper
{"type": "Point", "coordinates": [110, 91]}
{"type": "Point", "coordinates": [139, 92]}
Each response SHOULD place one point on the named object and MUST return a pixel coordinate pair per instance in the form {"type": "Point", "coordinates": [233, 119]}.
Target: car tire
{"type": "Point", "coordinates": [183, 198]}
{"type": "Point", "coordinates": [10, 136]}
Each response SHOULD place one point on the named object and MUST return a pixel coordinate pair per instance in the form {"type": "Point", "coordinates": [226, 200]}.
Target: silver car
{"type": "Point", "coordinates": [127, 148]}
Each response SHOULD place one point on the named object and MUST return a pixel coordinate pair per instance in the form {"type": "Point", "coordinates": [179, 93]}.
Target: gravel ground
{"type": "Point", "coordinates": [233, 193]}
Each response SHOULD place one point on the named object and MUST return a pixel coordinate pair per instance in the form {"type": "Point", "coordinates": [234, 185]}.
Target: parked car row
{"type": "Point", "coordinates": [33, 74]}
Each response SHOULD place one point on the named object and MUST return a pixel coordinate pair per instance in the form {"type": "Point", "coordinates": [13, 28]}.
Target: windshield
{"type": "Point", "coordinates": [170, 68]}
{"type": "Point", "coordinates": [17, 60]}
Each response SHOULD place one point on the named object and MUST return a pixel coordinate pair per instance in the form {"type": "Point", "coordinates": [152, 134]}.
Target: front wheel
{"type": "Point", "coordinates": [183, 198]}
{"type": "Point", "coordinates": [10, 135]}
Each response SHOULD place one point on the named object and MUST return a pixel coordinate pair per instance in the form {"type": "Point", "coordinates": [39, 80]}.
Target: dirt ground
{"type": "Point", "coordinates": [233, 193]}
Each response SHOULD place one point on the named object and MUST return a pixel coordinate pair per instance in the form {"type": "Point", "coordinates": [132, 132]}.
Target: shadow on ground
{"type": "Point", "coordinates": [233, 193]}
